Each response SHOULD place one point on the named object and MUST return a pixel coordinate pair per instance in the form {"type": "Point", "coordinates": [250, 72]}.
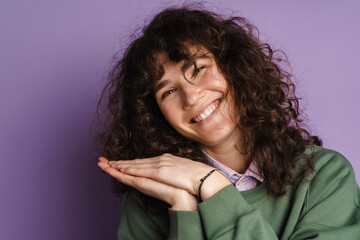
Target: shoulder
{"type": "Point", "coordinates": [142, 201]}
{"type": "Point", "coordinates": [134, 196]}
{"type": "Point", "coordinates": [327, 165]}
{"type": "Point", "coordinates": [330, 187]}
{"type": "Point", "coordinates": [134, 204]}
{"type": "Point", "coordinates": [329, 161]}
{"type": "Point", "coordinates": [143, 216]}
{"type": "Point", "coordinates": [333, 177]}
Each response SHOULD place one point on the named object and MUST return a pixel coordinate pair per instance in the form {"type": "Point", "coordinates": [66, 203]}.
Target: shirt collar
{"type": "Point", "coordinates": [251, 171]}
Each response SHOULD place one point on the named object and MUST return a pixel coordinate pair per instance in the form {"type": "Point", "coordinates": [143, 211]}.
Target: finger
{"type": "Point", "coordinates": [144, 162]}
{"type": "Point", "coordinates": [139, 165]}
{"type": "Point", "coordinates": [149, 172]}
{"type": "Point", "coordinates": [145, 185]}
{"type": "Point", "coordinates": [103, 165]}
{"type": "Point", "coordinates": [103, 159]}
{"type": "Point", "coordinates": [163, 157]}
{"type": "Point", "coordinates": [135, 161]}
{"type": "Point", "coordinates": [124, 178]}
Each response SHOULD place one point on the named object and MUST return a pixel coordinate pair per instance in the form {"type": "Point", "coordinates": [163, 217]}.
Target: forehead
{"type": "Point", "coordinates": [190, 56]}
{"type": "Point", "coordinates": [190, 51]}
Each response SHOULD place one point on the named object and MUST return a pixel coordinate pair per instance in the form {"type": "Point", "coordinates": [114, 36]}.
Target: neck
{"type": "Point", "coordinates": [230, 156]}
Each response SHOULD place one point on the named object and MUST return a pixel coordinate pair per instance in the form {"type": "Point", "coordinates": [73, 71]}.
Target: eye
{"type": "Point", "coordinates": [191, 73]}
{"type": "Point", "coordinates": [199, 69]}
{"type": "Point", "coordinates": [167, 93]}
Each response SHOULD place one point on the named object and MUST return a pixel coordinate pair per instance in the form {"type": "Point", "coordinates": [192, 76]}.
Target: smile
{"type": "Point", "coordinates": [208, 111]}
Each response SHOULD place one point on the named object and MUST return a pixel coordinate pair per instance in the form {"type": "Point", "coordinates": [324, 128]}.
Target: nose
{"type": "Point", "coordinates": [192, 94]}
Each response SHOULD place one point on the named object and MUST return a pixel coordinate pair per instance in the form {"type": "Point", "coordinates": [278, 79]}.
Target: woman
{"type": "Point", "coordinates": [206, 134]}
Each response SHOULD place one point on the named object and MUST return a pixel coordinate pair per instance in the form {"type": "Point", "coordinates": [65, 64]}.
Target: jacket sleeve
{"type": "Point", "coordinates": [235, 219]}
{"type": "Point", "coordinates": [185, 225]}
{"type": "Point", "coordinates": [137, 223]}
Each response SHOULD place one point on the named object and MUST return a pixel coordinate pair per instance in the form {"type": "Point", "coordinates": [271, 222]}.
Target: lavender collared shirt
{"type": "Point", "coordinates": [250, 179]}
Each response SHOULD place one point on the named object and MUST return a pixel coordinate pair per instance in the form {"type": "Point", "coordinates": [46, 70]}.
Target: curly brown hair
{"type": "Point", "coordinates": [269, 117]}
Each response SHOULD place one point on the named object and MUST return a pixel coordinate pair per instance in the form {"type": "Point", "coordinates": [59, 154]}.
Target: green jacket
{"type": "Point", "coordinates": [327, 206]}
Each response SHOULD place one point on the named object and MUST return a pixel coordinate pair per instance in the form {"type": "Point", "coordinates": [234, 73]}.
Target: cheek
{"type": "Point", "coordinates": [171, 114]}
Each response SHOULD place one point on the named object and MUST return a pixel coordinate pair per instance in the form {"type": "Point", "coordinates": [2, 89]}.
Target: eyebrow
{"type": "Point", "coordinates": [161, 85]}
{"type": "Point", "coordinates": [186, 65]}
{"type": "Point", "coordinates": [189, 64]}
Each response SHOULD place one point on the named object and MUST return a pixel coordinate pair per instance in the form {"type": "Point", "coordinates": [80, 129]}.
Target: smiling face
{"type": "Point", "coordinates": [197, 105]}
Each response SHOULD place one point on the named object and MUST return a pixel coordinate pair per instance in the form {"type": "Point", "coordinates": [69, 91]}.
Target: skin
{"type": "Point", "coordinates": [182, 99]}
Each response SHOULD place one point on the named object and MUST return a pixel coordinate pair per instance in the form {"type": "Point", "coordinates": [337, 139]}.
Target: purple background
{"type": "Point", "coordinates": [53, 57]}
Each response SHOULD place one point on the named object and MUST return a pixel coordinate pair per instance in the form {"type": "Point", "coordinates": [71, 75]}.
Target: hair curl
{"type": "Point", "coordinates": [269, 117]}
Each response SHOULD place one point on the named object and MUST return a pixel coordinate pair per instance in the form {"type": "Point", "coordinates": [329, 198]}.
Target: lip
{"type": "Point", "coordinates": [217, 101]}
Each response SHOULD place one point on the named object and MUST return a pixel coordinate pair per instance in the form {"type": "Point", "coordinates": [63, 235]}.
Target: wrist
{"type": "Point", "coordinates": [212, 184]}
{"type": "Point", "coordinates": [184, 201]}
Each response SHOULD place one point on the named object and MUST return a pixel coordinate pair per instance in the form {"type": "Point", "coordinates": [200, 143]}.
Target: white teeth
{"type": "Point", "coordinates": [206, 113]}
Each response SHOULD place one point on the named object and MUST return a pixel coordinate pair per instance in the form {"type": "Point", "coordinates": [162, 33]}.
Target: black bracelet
{"type": "Point", "coordinates": [201, 183]}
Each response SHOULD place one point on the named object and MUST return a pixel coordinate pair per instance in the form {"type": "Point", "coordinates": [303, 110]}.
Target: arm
{"type": "Point", "coordinates": [225, 214]}
{"type": "Point", "coordinates": [138, 223]}
{"type": "Point", "coordinates": [329, 210]}
{"type": "Point", "coordinates": [327, 207]}
{"type": "Point", "coordinates": [219, 214]}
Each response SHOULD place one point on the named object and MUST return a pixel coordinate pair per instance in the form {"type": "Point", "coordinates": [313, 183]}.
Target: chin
{"type": "Point", "coordinates": [211, 143]}
{"type": "Point", "coordinates": [221, 138]}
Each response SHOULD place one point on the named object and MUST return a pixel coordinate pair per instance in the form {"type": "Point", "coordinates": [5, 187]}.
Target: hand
{"type": "Point", "coordinates": [179, 199]}
{"type": "Point", "coordinates": [179, 172]}
{"type": "Point", "coordinates": [169, 169]}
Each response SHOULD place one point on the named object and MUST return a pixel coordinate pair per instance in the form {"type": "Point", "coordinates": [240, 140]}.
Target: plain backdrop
{"type": "Point", "coordinates": [54, 56]}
